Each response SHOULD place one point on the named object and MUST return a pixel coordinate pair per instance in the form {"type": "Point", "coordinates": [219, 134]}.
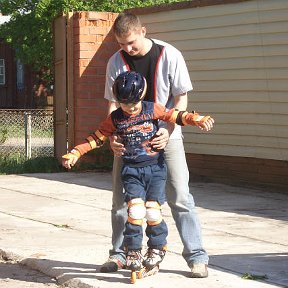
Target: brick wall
{"type": "Point", "coordinates": [93, 44]}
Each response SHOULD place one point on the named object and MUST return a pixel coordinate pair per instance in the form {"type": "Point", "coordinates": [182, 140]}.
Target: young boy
{"type": "Point", "coordinates": [135, 122]}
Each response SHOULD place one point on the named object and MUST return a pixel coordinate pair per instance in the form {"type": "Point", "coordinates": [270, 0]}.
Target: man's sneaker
{"type": "Point", "coordinates": [134, 260]}
{"type": "Point", "coordinates": [199, 270]}
{"type": "Point", "coordinates": [113, 263]}
{"type": "Point", "coordinates": [153, 257]}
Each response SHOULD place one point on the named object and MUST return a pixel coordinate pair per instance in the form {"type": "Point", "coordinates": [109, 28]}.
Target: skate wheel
{"type": "Point", "coordinates": [141, 273]}
{"type": "Point", "coordinates": [133, 277]}
{"type": "Point", "coordinates": [145, 272]}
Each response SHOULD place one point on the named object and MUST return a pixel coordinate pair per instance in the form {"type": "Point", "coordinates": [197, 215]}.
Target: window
{"type": "Point", "coordinates": [2, 72]}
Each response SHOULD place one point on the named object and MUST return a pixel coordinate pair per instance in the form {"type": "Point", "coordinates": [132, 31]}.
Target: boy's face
{"type": "Point", "coordinates": [133, 42]}
{"type": "Point", "coordinates": [131, 108]}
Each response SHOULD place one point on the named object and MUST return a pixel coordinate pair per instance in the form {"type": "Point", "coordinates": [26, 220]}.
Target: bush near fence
{"type": "Point", "coordinates": [26, 133]}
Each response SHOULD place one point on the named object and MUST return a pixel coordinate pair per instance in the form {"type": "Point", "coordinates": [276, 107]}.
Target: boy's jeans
{"type": "Point", "coordinates": [148, 184]}
{"type": "Point", "coordinates": [179, 199]}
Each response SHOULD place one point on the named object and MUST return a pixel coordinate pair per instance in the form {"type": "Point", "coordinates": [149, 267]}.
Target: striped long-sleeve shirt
{"type": "Point", "coordinates": [136, 132]}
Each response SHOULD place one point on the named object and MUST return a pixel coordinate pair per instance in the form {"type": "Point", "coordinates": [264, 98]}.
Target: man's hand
{"type": "Point", "coordinates": [160, 139]}
{"type": "Point", "coordinates": [69, 160]}
{"type": "Point", "coordinates": [117, 147]}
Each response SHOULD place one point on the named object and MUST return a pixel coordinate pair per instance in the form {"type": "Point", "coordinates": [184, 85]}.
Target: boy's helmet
{"type": "Point", "coordinates": [128, 87]}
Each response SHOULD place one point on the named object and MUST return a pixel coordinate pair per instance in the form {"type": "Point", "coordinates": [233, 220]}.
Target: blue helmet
{"type": "Point", "coordinates": [128, 87]}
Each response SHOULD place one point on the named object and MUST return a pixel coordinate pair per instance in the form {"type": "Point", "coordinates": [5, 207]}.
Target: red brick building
{"type": "Point", "coordinates": [16, 79]}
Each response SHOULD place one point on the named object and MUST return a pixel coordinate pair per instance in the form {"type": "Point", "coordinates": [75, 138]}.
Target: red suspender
{"type": "Point", "coordinates": [126, 64]}
{"type": "Point", "coordinates": [155, 75]}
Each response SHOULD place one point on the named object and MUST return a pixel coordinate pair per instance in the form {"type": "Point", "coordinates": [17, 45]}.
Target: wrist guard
{"type": "Point", "coordinates": [72, 154]}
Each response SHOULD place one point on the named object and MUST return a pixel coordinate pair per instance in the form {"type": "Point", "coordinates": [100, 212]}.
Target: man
{"type": "Point", "coordinates": [168, 82]}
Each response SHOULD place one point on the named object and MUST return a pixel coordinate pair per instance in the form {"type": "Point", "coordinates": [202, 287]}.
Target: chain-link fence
{"type": "Point", "coordinates": [28, 133]}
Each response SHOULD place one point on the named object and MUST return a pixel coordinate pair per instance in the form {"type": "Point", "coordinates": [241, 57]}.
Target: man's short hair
{"type": "Point", "coordinates": [125, 23]}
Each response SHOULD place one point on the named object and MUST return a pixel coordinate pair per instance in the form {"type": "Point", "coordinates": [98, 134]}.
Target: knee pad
{"type": "Point", "coordinates": [136, 211]}
{"type": "Point", "coordinates": [153, 213]}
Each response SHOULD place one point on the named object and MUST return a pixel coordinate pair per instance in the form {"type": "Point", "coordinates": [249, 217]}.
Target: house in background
{"type": "Point", "coordinates": [236, 53]}
{"type": "Point", "coordinates": [18, 83]}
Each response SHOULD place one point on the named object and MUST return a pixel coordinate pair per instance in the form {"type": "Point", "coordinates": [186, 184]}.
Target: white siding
{"type": "Point", "coordinates": [237, 56]}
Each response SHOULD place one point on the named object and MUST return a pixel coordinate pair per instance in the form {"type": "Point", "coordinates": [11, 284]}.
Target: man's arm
{"type": "Point", "coordinates": [112, 106]}
{"type": "Point", "coordinates": [181, 102]}
{"type": "Point", "coordinates": [163, 134]}
{"type": "Point", "coordinates": [117, 148]}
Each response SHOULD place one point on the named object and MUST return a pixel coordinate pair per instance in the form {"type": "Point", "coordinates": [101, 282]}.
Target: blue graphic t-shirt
{"type": "Point", "coordinates": [135, 133]}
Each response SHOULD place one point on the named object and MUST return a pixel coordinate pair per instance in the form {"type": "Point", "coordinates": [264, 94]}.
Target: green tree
{"type": "Point", "coordinates": [29, 30]}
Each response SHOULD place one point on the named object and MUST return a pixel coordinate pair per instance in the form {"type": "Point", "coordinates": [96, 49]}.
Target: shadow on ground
{"type": "Point", "coordinates": [241, 200]}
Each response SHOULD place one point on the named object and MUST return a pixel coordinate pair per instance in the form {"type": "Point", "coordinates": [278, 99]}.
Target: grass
{"type": "Point", "coordinates": [18, 131]}
{"type": "Point", "coordinates": [249, 276]}
{"type": "Point", "coordinates": [3, 135]}
{"type": "Point", "coordinates": [15, 164]}
{"type": "Point", "coordinates": [98, 159]}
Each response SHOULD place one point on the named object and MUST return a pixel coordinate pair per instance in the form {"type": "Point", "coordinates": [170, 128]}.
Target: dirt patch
{"type": "Point", "coordinates": [15, 275]}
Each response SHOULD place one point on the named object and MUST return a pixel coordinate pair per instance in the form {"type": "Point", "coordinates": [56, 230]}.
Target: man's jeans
{"type": "Point", "coordinates": [178, 197]}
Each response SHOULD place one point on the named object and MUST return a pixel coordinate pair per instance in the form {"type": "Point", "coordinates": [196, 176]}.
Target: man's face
{"type": "Point", "coordinates": [133, 43]}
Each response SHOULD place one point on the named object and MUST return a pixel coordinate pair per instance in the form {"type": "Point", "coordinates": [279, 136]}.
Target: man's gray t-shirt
{"type": "Point", "coordinates": [171, 77]}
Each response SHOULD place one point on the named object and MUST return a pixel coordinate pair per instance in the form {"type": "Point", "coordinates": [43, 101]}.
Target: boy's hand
{"type": "Point", "coordinates": [69, 160]}
{"type": "Point", "coordinates": [204, 122]}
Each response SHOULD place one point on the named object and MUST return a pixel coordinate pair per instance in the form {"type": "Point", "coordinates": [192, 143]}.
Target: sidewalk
{"type": "Point", "coordinates": [59, 224]}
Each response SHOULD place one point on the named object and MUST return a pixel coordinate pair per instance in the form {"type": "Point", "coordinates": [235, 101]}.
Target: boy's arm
{"type": "Point", "coordinates": [93, 141]}
{"type": "Point", "coordinates": [183, 117]}
{"type": "Point", "coordinates": [180, 105]}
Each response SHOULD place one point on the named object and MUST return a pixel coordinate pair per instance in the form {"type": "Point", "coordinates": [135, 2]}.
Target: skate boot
{"type": "Point", "coordinates": [134, 260]}
{"type": "Point", "coordinates": [153, 257]}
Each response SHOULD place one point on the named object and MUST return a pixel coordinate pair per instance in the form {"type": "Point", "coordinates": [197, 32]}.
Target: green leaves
{"type": "Point", "coordinates": [249, 276]}
{"type": "Point", "coordinates": [30, 29]}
